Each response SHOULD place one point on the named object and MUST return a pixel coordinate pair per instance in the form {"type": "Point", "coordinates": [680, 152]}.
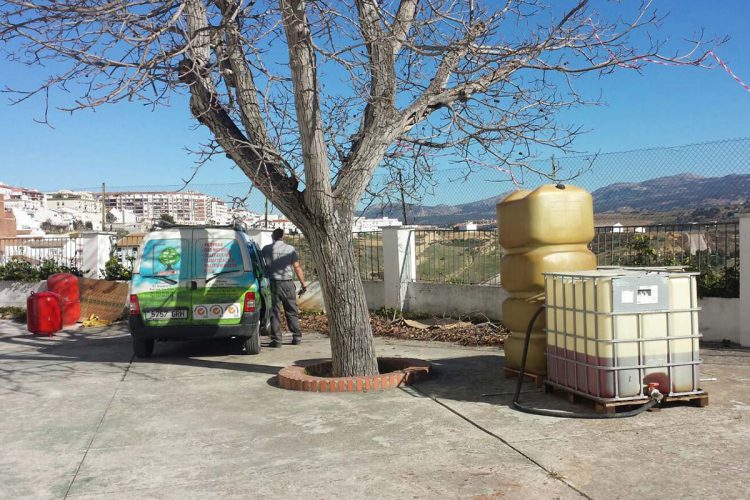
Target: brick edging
{"type": "Point", "coordinates": [400, 372]}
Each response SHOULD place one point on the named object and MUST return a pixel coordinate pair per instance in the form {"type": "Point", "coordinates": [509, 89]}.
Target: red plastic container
{"type": "Point", "coordinates": [44, 313]}
{"type": "Point", "coordinates": [71, 313]}
{"type": "Point", "coordinates": [66, 286]}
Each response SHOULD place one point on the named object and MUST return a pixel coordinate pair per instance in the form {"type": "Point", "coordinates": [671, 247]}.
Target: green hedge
{"type": "Point", "coordinates": [22, 270]}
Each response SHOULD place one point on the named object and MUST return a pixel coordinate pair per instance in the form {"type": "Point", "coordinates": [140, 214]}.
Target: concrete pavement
{"type": "Point", "coordinates": [81, 419]}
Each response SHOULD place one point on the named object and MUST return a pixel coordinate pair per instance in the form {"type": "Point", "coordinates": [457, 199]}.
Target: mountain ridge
{"type": "Point", "coordinates": [685, 192]}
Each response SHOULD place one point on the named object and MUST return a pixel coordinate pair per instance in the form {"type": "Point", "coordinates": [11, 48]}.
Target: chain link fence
{"type": "Point", "coordinates": [675, 205]}
{"type": "Point", "coordinates": [706, 182]}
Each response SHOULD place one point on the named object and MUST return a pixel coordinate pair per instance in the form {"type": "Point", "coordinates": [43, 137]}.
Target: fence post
{"type": "Point", "coordinates": [745, 281]}
{"type": "Point", "coordinates": [95, 249]}
{"type": "Point", "coordinates": [399, 264]}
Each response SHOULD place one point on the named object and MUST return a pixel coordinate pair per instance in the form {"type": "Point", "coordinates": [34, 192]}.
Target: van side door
{"type": "Point", "coordinates": [162, 282]}
{"type": "Point", "coordinates": [221, 277]}
{"type": "Point", "coordinates": [264, 283]}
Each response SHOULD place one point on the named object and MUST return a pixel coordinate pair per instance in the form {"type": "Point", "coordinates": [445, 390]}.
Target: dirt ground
{"type": "Point", "coordinates": [459, 332]}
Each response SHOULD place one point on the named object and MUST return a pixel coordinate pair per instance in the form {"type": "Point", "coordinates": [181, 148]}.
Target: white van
{"type": "Point", "coordinates": [197, 282]}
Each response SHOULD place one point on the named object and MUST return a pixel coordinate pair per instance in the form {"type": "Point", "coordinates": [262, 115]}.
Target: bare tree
{"type": "Point", "coordinates": [309, 97]}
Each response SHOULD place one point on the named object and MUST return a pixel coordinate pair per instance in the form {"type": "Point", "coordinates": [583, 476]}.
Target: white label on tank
{"type": "Point", "coordinates": [627, 297]}
{"type": "Point", "coordinates": [647, 295]}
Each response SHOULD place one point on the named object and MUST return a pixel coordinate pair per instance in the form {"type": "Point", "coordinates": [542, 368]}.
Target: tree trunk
{"type": "Point", "coordinates": [349, 327]}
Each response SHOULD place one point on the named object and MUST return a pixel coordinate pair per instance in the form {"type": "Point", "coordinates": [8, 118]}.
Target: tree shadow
{"type": "Point", "coordinates": [481, 379]}
{"type": "Point", "coordinates": [109, 350]}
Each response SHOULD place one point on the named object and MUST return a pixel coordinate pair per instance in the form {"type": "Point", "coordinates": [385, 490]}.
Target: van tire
{"type": "Point", "coordinates": [265, 323]}
{"type": "Point", "coordinates": [143, 348]}
{"type": "Point", "coordinates": [251, 344]}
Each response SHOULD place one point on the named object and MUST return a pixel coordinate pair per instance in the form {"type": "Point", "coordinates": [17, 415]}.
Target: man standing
{"type": "Point", "coordinates": [281, 260]}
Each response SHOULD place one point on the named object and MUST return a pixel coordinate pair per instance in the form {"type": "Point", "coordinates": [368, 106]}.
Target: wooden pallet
{"type": "Point", "coordinates": [513, 373]}
{"type": "Point", "coordinates": [699, 400]}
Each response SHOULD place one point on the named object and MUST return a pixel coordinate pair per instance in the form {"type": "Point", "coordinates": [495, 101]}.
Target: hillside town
{"type": "Point", "coordinates": [28, 212]}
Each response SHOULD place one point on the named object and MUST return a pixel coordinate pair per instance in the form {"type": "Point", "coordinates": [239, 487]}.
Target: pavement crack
{"type": "Point", "coordinates": [98, 426]}
{"type": "Point", "coordinates": [549, 472]}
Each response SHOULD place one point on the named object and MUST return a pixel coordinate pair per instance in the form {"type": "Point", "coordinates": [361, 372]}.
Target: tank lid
{"type": "Point", "coordinates": [613, 272]}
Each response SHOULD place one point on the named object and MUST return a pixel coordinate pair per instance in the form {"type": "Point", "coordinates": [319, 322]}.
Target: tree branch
{"type": "Point", "coordinates": [307, 105]}
{"type": "Point", "coordinates": [407, 9]}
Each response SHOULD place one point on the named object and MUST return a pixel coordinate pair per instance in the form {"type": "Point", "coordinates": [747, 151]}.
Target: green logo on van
{"type": "Point", "coordinates": [169, 257]}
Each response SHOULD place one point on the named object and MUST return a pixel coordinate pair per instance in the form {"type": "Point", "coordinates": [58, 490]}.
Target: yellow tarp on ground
{"type": "Point", "coordinates": [93, 321]}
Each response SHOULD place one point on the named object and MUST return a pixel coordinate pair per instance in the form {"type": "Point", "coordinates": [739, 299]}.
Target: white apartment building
{"type": "Point", "coordinates": [27, 205]}
{"type": "Point", "coordinates": [189, 207]}
{"type": "Point", "coordinates": [243, 215]}
{"type": "Point", "coordinates": [80, 205]}
{"type": "Point", "coordinates": [218, 213]}
{"type": "Point", "coordinates": [79, 201]}
{"type": "Point", "coordinates": [124, 216]}
{"type": "Point", "coordinates": [285, 224]}
{"type": "Point", "coordinates": [28, 200]}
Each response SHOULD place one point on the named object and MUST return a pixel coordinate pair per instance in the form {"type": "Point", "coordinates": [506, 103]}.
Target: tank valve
{"type": "Point", "coordinates": [654, 392]}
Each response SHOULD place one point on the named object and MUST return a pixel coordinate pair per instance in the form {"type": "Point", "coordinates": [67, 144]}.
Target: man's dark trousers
{"type": "Point", "coordinates": [284, 293]}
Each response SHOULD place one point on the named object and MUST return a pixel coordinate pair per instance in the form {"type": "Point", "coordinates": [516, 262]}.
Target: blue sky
{"type": "Point", "coordinates": [128, 145]}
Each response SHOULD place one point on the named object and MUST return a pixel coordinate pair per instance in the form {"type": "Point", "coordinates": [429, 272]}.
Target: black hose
{"type": "Point", "coordinates": [561, 413]}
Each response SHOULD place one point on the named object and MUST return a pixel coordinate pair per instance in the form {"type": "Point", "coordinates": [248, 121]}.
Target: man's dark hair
{"type": "Point", "coordinates": [277, 234]}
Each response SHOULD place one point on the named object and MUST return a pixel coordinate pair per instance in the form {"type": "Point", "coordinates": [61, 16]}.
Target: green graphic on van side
{"type": "Point", "coordinates": [169, 257]}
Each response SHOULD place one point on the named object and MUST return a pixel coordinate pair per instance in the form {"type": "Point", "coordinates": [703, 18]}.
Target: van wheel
{"type": "Point", "coordinates": [265, 324]}
{"type": "Point", "coordinates": [143, 348]}
{"type": "Point", "coordinates": [251, 344]}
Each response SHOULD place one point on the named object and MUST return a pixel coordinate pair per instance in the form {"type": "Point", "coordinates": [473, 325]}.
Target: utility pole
{"type": "Point", "coordinates": [266, 214]}
{"type": "Point", "coordinates": [104, 207]}
{"type": "Point", "coordinates": [403, 197]}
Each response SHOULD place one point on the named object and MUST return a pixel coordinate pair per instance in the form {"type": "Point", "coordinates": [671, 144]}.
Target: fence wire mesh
{"type": "Point", "coordinates": [675, 205]}
{"type": "Point", "coordinates": [704, 182]}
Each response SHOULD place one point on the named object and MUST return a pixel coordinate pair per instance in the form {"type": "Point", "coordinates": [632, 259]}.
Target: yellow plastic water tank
{"type": "Point", "coordinates": [548, 215]}
{"type": "Point", "coordinates": [544, 230]}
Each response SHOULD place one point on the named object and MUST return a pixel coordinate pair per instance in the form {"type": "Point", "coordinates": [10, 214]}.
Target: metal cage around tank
{"type": "Point", "coordinates": [589, 372]}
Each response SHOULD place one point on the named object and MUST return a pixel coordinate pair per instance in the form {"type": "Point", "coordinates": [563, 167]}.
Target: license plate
{"type": "Point", "coordinates": [157, 314]}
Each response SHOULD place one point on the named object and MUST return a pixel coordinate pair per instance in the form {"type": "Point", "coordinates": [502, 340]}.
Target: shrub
{"type": "Point", "coordinates": [22, 270]}
{"type": "Point", "coordinates": [114, 270]}
{"type": "Point", "coordinates": [13, 313]}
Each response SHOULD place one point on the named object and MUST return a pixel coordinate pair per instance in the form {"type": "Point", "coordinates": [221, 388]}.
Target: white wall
{"type": "Point", "coordinates": [375, 293]}
{"type": "Point", "coordinates": [719, 319]}
{"type": "Point", "coordinates": [313, 299]}
{"type": "Point", "coordinates": [744, 319]}
{"type": "Point", "coordinates": [399, 264]}
{"type": "Point", "coordinates": [95, 249]}
{"type": "Point", "coordinates": [444, 298]}
{"type": "Point", "coordinates": [15, 293]}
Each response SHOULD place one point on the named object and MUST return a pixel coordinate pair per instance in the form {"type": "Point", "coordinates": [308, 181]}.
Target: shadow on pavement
{"type": "Point", "coordinates": [480, 379]}
{"type": "Point", "coordinates": [115, 346]}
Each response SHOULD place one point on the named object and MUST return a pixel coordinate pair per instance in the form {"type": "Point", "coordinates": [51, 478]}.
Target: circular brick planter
{"type": "Point", "coordinates": [308, 375]}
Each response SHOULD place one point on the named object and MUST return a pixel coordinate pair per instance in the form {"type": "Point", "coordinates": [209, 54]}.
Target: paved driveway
{"type": "Point", "coordinates": [80, 419]}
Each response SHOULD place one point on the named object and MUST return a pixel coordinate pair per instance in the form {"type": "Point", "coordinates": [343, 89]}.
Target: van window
{"type": "Point", "coordinates": [162, 258]}
{"type": "Point", "coordinates": [218, 255]}
{"type": "Point", "coordinates": [259, 265]}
